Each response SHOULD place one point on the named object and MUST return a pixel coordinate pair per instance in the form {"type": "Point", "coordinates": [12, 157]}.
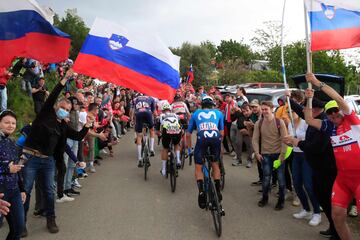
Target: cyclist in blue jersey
{"type": "Point", "coordinates": [209, 123]}
{"type": "Point", "coordinates": [143, 108]}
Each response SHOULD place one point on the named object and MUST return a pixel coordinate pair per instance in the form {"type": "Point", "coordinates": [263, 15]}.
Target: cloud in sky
{"type": "Point", "coordinates": [177, 21]}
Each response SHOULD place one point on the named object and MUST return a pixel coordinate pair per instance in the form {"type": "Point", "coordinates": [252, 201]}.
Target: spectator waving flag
{"type": "Point", "coordinates": [129, 58]}
{"type": "Point", "coordinates": [26, 30]}
{"type": "Point", "coordinates": [190, 75]}
{"type": "Point", "coordinates": [335, 24]}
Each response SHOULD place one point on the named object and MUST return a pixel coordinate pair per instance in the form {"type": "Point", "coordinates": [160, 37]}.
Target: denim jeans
{"type": "Point", "coordinates": [16, 216]}
{"type": "Point", "coordinates": [70, 165]}
{"type": "Point", "coordinates": [46, 168]}
{"type": "Point", "coordinates": [3, 99]}
{"type": "Point", "coordinates": [302, 178]}
{"type": "Point", "coordinates": [267, 166]}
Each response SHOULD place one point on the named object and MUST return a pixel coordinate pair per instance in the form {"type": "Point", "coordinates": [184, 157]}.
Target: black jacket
{"type": "Point", "coordinates": [47, 134]}
{"type": "Point", "coordinates": [316, 146]}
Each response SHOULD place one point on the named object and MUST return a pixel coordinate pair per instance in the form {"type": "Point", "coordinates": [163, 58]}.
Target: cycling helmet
{"type": "Point", "coordinates": [207, 100]}
{"type": "Point", "coordinates": [166, 106]}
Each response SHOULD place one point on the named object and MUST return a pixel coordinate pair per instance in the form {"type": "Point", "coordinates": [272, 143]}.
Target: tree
{"type": "Point", "coordinates": [234, 51]}
{"type": "Point", "coordinates": [73, 25]}
{"type": "Point", "coordinates": [268, 37]}
{"type": "Point", "coordinates": [199, 57]}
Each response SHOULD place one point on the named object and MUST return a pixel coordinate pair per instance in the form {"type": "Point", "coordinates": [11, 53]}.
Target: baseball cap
{"type": "Point", "coordinates": [331, 104]}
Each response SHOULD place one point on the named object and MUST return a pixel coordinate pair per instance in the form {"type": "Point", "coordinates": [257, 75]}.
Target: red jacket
{"type": "Point", "coordinates": [4, 76]}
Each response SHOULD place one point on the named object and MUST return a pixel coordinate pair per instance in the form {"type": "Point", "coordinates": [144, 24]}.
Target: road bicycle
{"type": "Point", "coordinates": [213, 204]}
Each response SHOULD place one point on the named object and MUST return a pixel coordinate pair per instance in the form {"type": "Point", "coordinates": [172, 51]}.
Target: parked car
{"type": "Point", "coordinates": [354, 103]}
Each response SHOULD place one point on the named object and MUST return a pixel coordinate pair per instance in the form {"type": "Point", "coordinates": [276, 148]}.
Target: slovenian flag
{"type": "Point", "coordinates": [130, 59]}
{"type": "Point", "coordinates": [335, 24]}
{"type": "Point", "coordinates": [26, 30]}
{"type": "Point", "coordinates": [190, 75]}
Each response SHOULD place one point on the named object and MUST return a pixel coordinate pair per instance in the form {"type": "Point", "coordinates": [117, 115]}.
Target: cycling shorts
{"type": "Point", "coordinates": [204, 141]}
{"type": "Point", "coordinates": [346, 187]}
{"type": "Point", "coordinates": [166, 139]}
{"type": "Point", "coordinates": [141, 118]}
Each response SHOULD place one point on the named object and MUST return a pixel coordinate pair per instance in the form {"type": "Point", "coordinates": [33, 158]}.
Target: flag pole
{"type": "Point", "coordinates": [308, 52]}
{"type": "Point", "coordinates": [283, 68]}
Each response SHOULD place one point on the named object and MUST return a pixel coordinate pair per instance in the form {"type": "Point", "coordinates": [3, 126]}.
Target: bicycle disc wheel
{"type": "Point", "coordinates": [216, 210]}
{"type": "Point", "coordinates": [172, 174]}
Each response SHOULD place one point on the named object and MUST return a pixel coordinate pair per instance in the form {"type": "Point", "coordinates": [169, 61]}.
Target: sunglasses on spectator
{"type": "Point", "coordinates": [332, 110]}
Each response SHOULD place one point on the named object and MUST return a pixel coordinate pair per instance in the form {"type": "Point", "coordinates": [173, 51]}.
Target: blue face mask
{"type": "Point", "coordinates": [62, 114]}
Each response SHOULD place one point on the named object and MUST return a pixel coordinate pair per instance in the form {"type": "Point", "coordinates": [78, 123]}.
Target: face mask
{"type": "Point", "coordinates": [62, 114]}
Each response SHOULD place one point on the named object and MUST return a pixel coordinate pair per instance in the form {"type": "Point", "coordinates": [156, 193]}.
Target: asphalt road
{"type": "Point", "coordinates": [116, 203]}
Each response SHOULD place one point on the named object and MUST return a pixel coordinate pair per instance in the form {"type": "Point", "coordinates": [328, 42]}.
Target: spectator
{"type": "Point", "coordinates": [320, 156]}
{"type": "Point", "coordinates": [268, 147]}
{"type": "Point", "coordinates": [10, 180]}
{"type": "Point", "coordinates": [29, 76]}
{"type": "Point", "coordinates": [241, 96]}
{"type": "Point", "coordinates": [302, 176]}
{"type": "Point", "coordinates": [39, 93]}
{"type": "Point", "coordinates": [4, 78]}
{"type": "Point", "coordinates": [230, 104]}
{"type": "Point", "coordinates": [244, 134]}
{"type": "Point", "coordinates": [46, 141]}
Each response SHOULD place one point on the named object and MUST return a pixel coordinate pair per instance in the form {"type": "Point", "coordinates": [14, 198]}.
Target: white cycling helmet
{"type": "Point", "coordinates": [166, 106]}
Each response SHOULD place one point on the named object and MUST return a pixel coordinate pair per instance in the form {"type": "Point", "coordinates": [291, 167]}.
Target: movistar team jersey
{"type": "Point", "coordinates": [345, 140]}
{"type": "Point", "coordinates": [206, 120]}
{"type": "Point", "coordinates": [144, 104]}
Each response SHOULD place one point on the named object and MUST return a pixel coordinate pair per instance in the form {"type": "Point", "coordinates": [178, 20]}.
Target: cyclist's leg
{"type": "Point", "coordinates": [139, 135]}
{"type": "Point", "coordinates": [165, 140]}
{"type": "Point", "coordinates": [215, 150]}
{"type": "Point", "coordinates": [176, 141]}
{"type": "Point", "coordinates": [150, 122]}
{"type": "Point", "coordinates": [198, 158]}
{"type": "Point", "coordinates": [341, 197]}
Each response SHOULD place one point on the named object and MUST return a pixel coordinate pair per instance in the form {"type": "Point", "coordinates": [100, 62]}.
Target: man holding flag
{"type": "Point", "coordinates": [335, 24]}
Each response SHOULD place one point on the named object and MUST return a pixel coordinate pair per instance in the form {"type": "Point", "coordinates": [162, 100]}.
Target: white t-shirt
{"type": "Point", "coordinates": [300, 132]}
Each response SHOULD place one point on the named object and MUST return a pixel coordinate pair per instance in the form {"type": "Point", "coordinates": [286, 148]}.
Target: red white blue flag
{"type": "Point", "coordinates": [190, 75]}
{"type": "Point", "coordinates": [131, 59]}
{"type": "Point", "coordinates": [335, 24]}
{"type": "Point", "coordinates": [26, 30]}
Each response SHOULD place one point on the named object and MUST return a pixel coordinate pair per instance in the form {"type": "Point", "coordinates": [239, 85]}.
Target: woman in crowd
{"type": "Point", "coordinates": [302, 176]}
{"type": "Point", "coordinates": [10, 179]}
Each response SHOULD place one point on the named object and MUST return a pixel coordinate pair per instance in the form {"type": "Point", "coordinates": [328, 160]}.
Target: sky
{"type": "Point", "coordinates": [177, 21]}
{"type": "Point", "coordinates": [194, 21]}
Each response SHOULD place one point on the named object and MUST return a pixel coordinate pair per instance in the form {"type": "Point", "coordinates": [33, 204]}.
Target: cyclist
{"type": "Point", "coordinates": [171, 131]}
{"type": "Point", "coordinates": [143, 108]}
{"type": "Point", "coordinates": [210, 130]}
{"type": "Point", "coordinates": [180, 108]}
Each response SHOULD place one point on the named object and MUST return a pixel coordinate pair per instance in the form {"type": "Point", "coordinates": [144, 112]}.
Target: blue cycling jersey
{"type": "Point", "coordinates": [144, 104]}
{"type": "Point", "coordinates": [206, 120]}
